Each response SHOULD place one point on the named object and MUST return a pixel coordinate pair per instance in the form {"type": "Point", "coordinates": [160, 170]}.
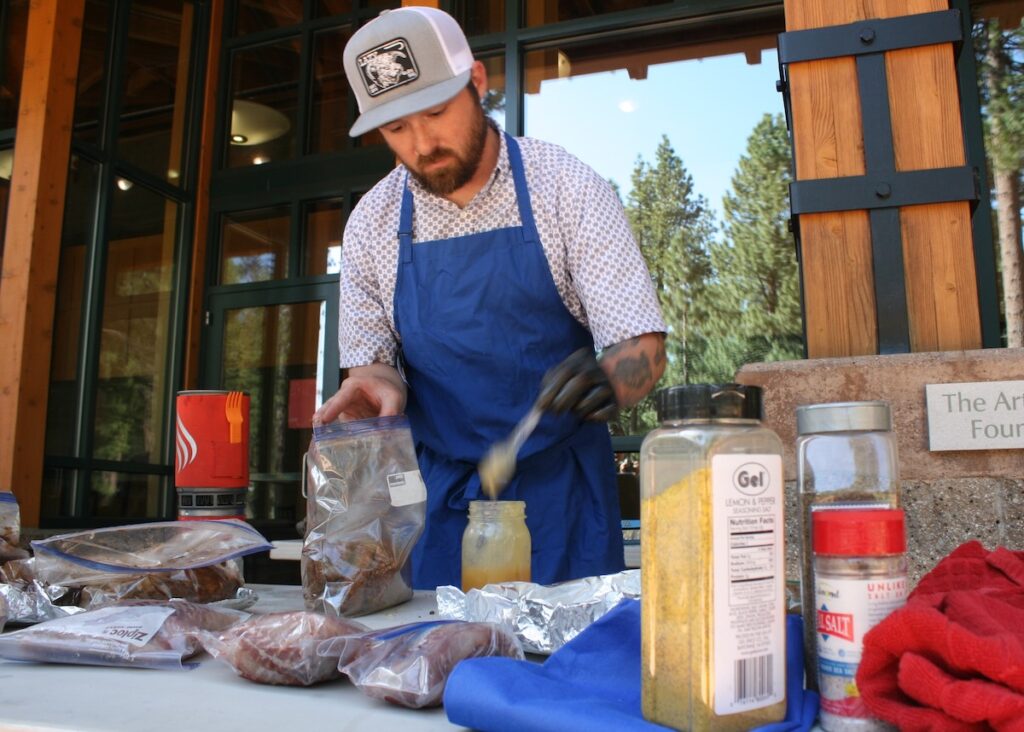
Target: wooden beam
{"type": "Point", "coordinates": [28, 285]}
{"type": "Point", "coordinates": [942, 298]}
{"type": "Point", "coordinates": [197, 281]}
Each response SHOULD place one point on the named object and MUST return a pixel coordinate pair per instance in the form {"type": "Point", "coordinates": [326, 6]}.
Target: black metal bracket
{"type": "Point", "coordinates": [882, 190]}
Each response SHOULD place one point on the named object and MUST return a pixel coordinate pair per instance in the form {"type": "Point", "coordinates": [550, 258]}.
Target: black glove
{"type": "Point", "coordinates": [579, 385]}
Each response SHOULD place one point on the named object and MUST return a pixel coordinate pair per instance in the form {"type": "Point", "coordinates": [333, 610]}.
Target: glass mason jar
{"type": "Point", "coordinates": [845, 459]}
{"type": "Point", "coordinates": [495, 544]}
{"type": "Point", "coordinates": [712, 565]}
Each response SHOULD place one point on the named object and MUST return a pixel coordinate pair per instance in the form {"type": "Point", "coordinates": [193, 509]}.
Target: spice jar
{"type": "Point", "coordinates": [860, 576]}
{"type": "Point", "coordinates": [712, 566]}
{"type": "Point", "coordinates": [845, 458]}
{"type": "Point", "coordinates": [495, 544]}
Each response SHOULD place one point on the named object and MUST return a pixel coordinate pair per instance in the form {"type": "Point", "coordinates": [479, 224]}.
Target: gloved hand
{"type": "Point", "coordinates": [579, 385]}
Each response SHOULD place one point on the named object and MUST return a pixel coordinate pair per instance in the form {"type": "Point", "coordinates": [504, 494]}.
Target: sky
{"type": "Point", "coordinates": [707, 107]}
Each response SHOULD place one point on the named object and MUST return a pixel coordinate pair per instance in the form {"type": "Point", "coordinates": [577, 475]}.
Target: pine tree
{"type": "Point", "coordinates": [755, 296]}
{"type": "Point", "coordinates": [674, 228]}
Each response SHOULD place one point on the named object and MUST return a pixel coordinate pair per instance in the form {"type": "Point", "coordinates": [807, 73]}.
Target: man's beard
{"type": "Point", "coordinates": [452, 177]}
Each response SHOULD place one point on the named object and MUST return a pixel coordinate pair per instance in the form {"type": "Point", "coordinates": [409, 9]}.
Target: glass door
{"type": "Point", "coordinates": [279, 344]}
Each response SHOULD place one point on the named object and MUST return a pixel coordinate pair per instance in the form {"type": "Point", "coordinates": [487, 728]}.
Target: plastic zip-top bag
{"type": "Point", "coordinates": [158, 635]}
{"type": "Point", "coordinates": [10, 528]}
{"type": "Point", "coordinates": [366, 505]}
{"type": "Point", "coordinates": [197, 561]}
{"type": "Point", "coordinates": [409, 665]}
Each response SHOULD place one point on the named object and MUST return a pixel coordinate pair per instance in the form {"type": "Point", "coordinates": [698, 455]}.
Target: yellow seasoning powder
{"type": "Point", "coordinates": [678, 612]}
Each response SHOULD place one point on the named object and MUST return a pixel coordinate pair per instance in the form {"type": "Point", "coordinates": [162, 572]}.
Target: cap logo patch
{"type": "Point", "coordinates": [388, 66]}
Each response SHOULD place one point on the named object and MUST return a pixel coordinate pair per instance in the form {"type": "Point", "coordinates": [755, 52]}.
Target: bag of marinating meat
{"type": "Point", "coordinates": [280, 648]}
{"type": "Point", "coordinates": [10, 528]}
{"type": "Point", "coordinates": [199, 561]}
{"type": "Point", "coordinates": [409, 665]}
{"type": "Point", "coordinates": [365, 509]}
{"type": "Point", "coordinates": [136, 634]}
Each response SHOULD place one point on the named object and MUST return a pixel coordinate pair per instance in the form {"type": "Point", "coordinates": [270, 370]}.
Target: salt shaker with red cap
{"type": "Point", "coordinates": [860, 576]}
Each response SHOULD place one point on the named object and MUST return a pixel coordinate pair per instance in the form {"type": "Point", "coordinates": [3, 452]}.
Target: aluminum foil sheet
{"type": "Point", "coordinates": [35, 602]}
{"type": "Point", "coordinates": [543, 617]}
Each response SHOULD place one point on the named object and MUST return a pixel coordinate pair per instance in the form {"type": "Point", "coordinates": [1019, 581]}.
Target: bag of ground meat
{"type": "Point", "coordinates": [198, 561]}
{"type": "Point", "coordinates": [10, 528]}
{"type": "Point", "coordinates": [365, 509]}
{"type": "Point", "coordinates": [409, 665]}
{"type": "Point", "coordinates": [159, 635]}
{"type": "Point", "coordinates": [280, 648]}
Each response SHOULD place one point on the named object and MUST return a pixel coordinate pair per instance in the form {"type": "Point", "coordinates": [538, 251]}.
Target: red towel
{"type": "Point", "coordinates": [953, 658]}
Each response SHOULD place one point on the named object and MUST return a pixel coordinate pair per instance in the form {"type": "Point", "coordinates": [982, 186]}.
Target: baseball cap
{"type": "Point", "coordinates": [403, 62]}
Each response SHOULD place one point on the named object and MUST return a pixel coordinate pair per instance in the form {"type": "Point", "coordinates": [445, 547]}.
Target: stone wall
{"type": "Point", "coordinates": [949, 497]}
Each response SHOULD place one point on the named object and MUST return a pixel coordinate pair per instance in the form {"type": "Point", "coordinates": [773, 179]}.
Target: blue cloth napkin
{"type": "Point", "coordinates": [591, 683]}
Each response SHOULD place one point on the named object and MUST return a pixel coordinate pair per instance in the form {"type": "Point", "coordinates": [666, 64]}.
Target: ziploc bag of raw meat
{"type": "Point", "coordinates": [409, 665]}
{"type": "Point", "coordinates": [197, 561]}
{"type": "Point", "coordinates": [365, 509]}
{"type": "Point", "coordinates": [280, 648]}
{"type": "Point", "coordinates": [10, 528]}
{"type": "Point", "coordinates": [136, 634]}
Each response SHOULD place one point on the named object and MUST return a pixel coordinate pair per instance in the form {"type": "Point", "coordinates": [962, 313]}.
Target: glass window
{"type": "Point", "coordinates": [264, 85]}
{"type": "Point", "coordinates": [6, 165]}
{"type": "Point", "coordinates": [324, 226]}
{"type": "Point", "coordinates": [327, 8]}
{"type": "Point", "coordinates": [329, 121]}
{"type": "Point", "coordinates": [255, 245]}
{"type": "Point", "coordinates": [153, 101]}
{"type": "Point", "coordinates": [542, 12]}
{"type": "Point", "coordinates": [478, 17]}
{"type": "Point", "coordinates": [62, 404]}
{"type": "Point", "coordinates": [125, 495]}
{"type": "Point", "coordinates": [252, 16]}
{"type": "Point", "coordinates": [131, 373]}
{"type": "Point", "coordinates": [13, 61]}
{"type": "Point", "coordinates": [92, 71]}
{"type": "Point", "coordinates": [494, 102]}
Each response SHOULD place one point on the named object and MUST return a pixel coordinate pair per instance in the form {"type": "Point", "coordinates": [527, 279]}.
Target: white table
{"type": "Point", "coordinates": [211, 698]}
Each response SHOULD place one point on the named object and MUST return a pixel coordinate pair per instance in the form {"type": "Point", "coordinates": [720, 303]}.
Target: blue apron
{"type": "Point", "coordinates": [480, 321]}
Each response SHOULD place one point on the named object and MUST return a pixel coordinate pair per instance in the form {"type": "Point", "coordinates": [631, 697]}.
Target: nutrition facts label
{"type": "Point", "coordinates": [749, 623]}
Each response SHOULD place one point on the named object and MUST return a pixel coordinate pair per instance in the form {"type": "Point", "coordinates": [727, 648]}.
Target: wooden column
{"type": "Point", "coordinates": [28, 285]}
{"type": "Point", "coordinates": [938, 257]}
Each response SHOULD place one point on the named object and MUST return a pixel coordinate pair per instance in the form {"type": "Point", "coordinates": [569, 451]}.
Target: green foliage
{"type": "Point", "coordinates": [726, 302]}
{"type": "Point", "coordinates": [1000, 56]}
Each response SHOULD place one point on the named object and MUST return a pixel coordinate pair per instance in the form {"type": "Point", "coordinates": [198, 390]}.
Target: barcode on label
{"type": "Point", "coordinates": [753, 678]}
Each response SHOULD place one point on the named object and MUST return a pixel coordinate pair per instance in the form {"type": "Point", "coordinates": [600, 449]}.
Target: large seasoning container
{"type": "Point", "coordinates": [845, 459]}
{"type": "Point", "coordinates": [712, 569]}
{"type": "Point", "coordinates": [495, 544]}
{"type": "Point", "coordinates": [860, 576]}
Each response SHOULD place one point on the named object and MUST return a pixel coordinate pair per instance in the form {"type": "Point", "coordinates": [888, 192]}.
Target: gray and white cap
{"type": "Point", "coordinates": [403, 62]}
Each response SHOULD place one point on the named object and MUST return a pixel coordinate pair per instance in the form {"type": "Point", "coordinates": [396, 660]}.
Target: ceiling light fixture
{"type": "Point", "coordinates": [254, 124]}
{"type": "Point", "coordinates": [124, 184]}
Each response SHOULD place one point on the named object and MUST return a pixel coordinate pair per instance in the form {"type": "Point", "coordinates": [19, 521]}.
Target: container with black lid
{"type": "Point", "coordinates": [712, 563]}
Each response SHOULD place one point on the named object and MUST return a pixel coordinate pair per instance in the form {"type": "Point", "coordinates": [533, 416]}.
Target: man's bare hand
{"type": "Point", "coordinates": [369, 391]}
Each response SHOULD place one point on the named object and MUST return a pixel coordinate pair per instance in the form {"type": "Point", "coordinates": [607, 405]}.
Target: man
{"type": "Point", "coordinates": [474, 271]}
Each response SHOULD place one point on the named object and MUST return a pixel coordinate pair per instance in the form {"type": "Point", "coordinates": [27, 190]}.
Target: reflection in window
{"type": "Point", "coordinates": [329, 120]}
{"type": "Point", "coordinates": [542, 13]}
{"type": "Point", "coordinates": [254, 245]}
{"type": "Point", "coordinates": [327, 8]}
{"type": "Point", "coordinates": [478, 17]}
{"type": "Point", "coordinates": [253, 16]}
{"type": "Point", "coordinates": [703, 178]}
{"type": "Point", "coordinates": [15, 22]}
{"type": "Point", "coordinates": [324, 226]}
{"type": "Point", "coordinates": [134, 336]}
{"type": "Point", "coordinates": [264, 94]}
{"type": "Point", "coordinates": [154, 99]}
{"type": "Point", "coordinates": [494, 101]}
{"type": "Point", "coordinates": [62, 404]}
{"type": "Point", "coordinates": [92, 71]}
{"type": "Point", "coordinates": [125, 495]}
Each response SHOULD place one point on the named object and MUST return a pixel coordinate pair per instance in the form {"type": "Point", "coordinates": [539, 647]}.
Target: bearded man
{"type": "Point", "coordinates": [480, 277]}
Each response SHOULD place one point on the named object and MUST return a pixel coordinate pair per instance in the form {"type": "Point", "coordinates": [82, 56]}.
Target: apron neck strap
{"type": "Point", "coordinates": [515, 161]}
{"type": "Point", "coordinates": [405, 223]}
